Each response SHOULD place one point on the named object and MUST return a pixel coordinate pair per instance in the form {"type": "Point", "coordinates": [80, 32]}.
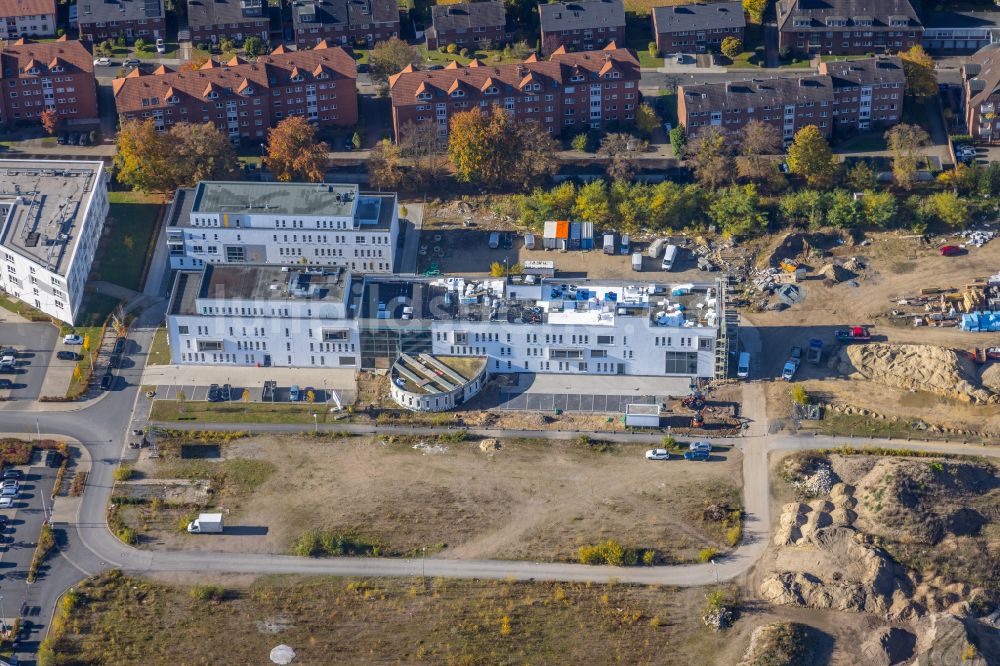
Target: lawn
{"type": "Point", "coordinates": [81, 376]}
{"type": "Point", "coordinates": [638, 35]}
{"type": "Point", "coordinates": [667, 106]}
{"type": "Point", "coordinates": [159, 350]}
{"type": "Point", "coordinates": [22, 308]}
{"type": "Point", "coordinates": [254, 412]}
{"type": "Point", "coordinates": [118, 619]}
{"type": "Point", "coordinates": [121, 258]}
{"type": "Point", "coordinates": [96, 309]}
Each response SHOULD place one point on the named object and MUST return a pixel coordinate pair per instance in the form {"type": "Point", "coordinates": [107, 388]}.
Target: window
{"type": "Point", "coordinates": [681, 363]}
{"type": "Point", "coordinates": [235, 254]}
{"type": "Point", "coordinates": [605, 339]}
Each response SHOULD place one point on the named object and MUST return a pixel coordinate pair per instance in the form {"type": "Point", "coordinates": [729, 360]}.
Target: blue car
{"type": "Point", "coordinates": [696, 455]}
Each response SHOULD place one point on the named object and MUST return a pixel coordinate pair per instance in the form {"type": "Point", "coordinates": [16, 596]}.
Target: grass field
{"type": "Point", "coordinates": [254, 412]}
{"type": "Point", "coordinates": [132, 221]}
{"type": "Point", "coordinates": [528, 499]}
{"type": "Point", "coordinates": [122, 620]}
{"type": "Point", "coordinates": [159, 350]}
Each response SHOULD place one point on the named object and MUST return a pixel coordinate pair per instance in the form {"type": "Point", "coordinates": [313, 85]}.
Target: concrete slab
{"type": "Point", "coordinates": [189, 376]}
{"type": "Point", "coordinates": [598, 384]}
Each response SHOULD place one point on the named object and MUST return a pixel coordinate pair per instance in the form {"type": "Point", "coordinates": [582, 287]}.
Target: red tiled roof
{"type": "Point", "coordinates": [406, 85]}
{"type": "Point", "coordinates": [22, 54]}
{"type": "Point", "coordinates": [275, 69]}
{"type": "Point", "coordinates": [12, 8]}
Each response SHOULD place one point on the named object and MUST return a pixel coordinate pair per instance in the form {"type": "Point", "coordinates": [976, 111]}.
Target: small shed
{"type": "Point", "coordinates": [642, 415]}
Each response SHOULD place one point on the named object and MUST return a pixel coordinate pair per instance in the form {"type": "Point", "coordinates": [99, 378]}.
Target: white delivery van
{"type": "Point", "coordinates": [743, 365]}
{"type": "Point", "coordinates": [206, 523]}
{"type": "Point", "coordinates": [669, 257]}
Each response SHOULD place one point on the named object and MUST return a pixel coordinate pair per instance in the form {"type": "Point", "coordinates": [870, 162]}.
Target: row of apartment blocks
{"type": "Point", "coordinates": [245, 99]}
{"type": "Point", "coordinates": [570, 91]}
{"type": "Point", "coordinates": [47, 76]}
{"type": "Point", "coordinates": [981, 90]}
{"type": "Point", "coordinates": [846, 97]}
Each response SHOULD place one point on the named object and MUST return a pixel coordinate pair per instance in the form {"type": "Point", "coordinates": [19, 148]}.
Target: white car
{"type": "Point", "coordinates": [6, 502]}
{"type": "Point", "coordinates": [72, 340]}
{"type": "Point", "coordinates": [103, 62]}
{"type": "Point", "coordinates": [160, 46]}
{"type": "Point", "coordinates": [700, 446]}
{"type": "Point", "coordinates": [657, 454]}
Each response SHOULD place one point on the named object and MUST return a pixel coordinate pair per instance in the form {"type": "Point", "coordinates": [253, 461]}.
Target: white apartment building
{"type": "Point", "coordinates": [52, 215]}
{"type": "Point", "coordinates": [306, 224]}
{"type": "Point", "coordinates": [241, 315]}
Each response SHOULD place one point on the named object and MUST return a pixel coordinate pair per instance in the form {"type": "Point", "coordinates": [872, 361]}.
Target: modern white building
{"type": "Point", "coordinates": [52, 214]}
{"type": "Point", "coordinates": [306, 224]}
{"type": "Point", "coordinates": [301, 317]}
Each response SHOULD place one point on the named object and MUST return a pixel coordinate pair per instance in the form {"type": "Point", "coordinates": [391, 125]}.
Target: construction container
{"type": "Point", "coordinates": [586, 235]}
{"type": "Point", "coordinates": [574, 236]}
{"type": "Point", "coordinates": [609, 243]}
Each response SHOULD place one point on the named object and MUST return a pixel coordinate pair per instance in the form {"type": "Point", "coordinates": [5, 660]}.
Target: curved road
{"type": "Point", "coordinates": [88, 547]}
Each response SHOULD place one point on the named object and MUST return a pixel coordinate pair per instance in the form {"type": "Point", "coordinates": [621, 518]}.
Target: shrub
{"type": "Point", "coordinates": [734, 534]}
{"type": "Point", "coordinates": [610, 552]}
{"type": "Point", "coordinates": [453, 48]}
{"type": "Point", "coordinates": [123, 473]}
{"type": "Point", "coordinates": [464, 53]}
{"type": "Point", "coordinates": [127, 535]}
{"type": "Point", "coordinates": [580, 142]}
{"type": "Point", "coordinates": [208, 593]}
{"type": "Point", "coordinates": [315, 543]}
{"type": "Point", "coordinates": [707, 554]}
{"type": "Point", "coordinates": [799, 395]}
{"type": "Point", "coordinates": [653, 51]}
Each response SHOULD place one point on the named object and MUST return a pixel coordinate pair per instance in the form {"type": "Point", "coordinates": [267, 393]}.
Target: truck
{"type": "Point", "coordinates": [206, 523]}
{"type": "Point", "coordinates": [669, 257]}
{"type": "Point", "coordinates": [853, 334]}
{"type": "Point", "coordinates": [494, 240]}
{"type": "Point", "coordinates": [792, 364]}
{"type": "Point", "coordinates": [815, 350]}
{"type": "Point", "coordinates": [637, 261]}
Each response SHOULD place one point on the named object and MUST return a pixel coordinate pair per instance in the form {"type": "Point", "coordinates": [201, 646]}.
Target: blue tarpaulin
{"type": "Point", "coordinates": [981, 322]}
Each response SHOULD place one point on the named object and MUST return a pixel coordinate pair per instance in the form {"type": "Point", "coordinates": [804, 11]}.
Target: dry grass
{"type": "Point", "coordinates": [123, 620]}
{"type": "Point", "coordinates": [528, 500]}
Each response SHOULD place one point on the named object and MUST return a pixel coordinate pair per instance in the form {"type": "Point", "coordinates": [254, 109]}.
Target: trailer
{"type": "Point", "coordinates": [655, 248]}
{"type": "Point", "coordinates": [853, 334]}
{"type": "Point", "coordinates": [609, 243]}
{"type": "Point", "coordinates": [815, 351]}
{"type": "Point", "coordinates": [637, 261]}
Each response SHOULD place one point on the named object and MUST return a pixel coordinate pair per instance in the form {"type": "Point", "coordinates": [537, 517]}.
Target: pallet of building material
{"type": "Point", "coordinates": [930, 291]}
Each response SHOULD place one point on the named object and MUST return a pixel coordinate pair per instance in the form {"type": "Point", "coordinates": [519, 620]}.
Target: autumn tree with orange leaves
{"type": "Point", "coordinates": [50, 120]}
{"type": "Point", "coordinates": [293, 152]}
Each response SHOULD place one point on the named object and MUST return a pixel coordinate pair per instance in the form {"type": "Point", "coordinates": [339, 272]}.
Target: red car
{"type": "Point", "coordinates": [949, 250]}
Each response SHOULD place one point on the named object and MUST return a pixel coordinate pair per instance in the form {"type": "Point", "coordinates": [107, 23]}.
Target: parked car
{"type": "Point", "coordinates": [213, 393]}
{"type": "Point", "coordinates": [71, 138]}
{"type": "Point", "coordinates": [657, 454]}
{"type": "Point", "coordinates": [700, 446]}
{"type": "Point", "coordinates": [119, 346]}
{"type": "Point", "coordinates": [84, 139]}
{"type": "Point", "coordinates": [949, 250]}
{"type": "Point", "coordinates": [9, 492]}
{"type": "Point", "coordinates": [131, 62]}
{"type": "Point", "coordinates": [72, 340]}
{"type": "Point", "coordinates": [6, 384]}
{"type": "Point", "coordinates": [161, 47]}
{"type": "Point", "coordinates": [226, 394]}
{"type": "Point", "coordinates": [103, 62]}
{"type": "Point", "coordinates": [63, 138]}
{"type": "Point", "coordinates": [6, 502]}
{"type": "Point", "coordinates": [53, 458]}
{"type": "Point", "coordinates": [293, 393]}
{"type": "Point", "coordinates": [115, 361]}
{"type": "Point", "coordinates": [696, 455]}
{"type": "Point", "coordinates": [8, 359]}
{"type": "Point", "coordinates": [107, 381]}
{"type": "Point", "coordinates": [508, 241]}
{"type": "Point", "coordinates": [67, 356]}
{"type": "Point", "coordinates": [10, 483]}
{"type": "Point", "coordinates": [13, 473]}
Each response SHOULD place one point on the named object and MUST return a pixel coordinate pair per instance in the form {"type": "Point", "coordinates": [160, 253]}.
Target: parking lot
{"type": "Point", "coordinates": [254, 393]}
{"type": "Point", "coordinates": [19, 537]}
{"type": "Point", "coordinates": [35, 344]}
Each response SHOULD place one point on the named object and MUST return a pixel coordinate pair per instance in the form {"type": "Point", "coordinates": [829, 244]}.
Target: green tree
{"type": "Point", "coordinates": [151, 161]}
{"type": "Point", "coordinates": [731, 47]}
{"type": "Point", "coordinates": [758, 142]}
{"type": "Point", "coordinates": [950, 208]}
{"type": "Point", "coordinates": [676, 206]}
{"type": "Point", "coordinates": [253, 46]}
{"type": "Point", "coordinates": [810, 157]}
{"type": "Point", "coordinates": [494, 150]}
{"type": "Point", "coordinates": [711, 154]}
{"type": "Point", "coordinates": [580, 142]}
{"type": "Point", "coordinates": [389, 58]}
{"type": "Point", "coordinates": [226, 45]}
{"type": "Point", "coordinates": [593, 203]}
{"type": "Point", "coordinates": [989, 180]}
{"type": "Point", "coordinates": [861, 177]}
{"type": "Point", "coordinates": [621, 151]}
{"type": "Point", "coordinates": [804, 208]}
{"type": "Point", "coordinates": [653, 51]}
{"type": "Point", "coordinates": [879, 209]}
{"type": "Point", "coordinates": [918, 67]}
{"type": "Point", "coordinates": [905, 141]}
{"type": "Point", "coordinates": [140, 44]}
{"type": "Point", "coordinates": [385, 166]}
{"type": "Point", "coordinates": [844, 211]}
{"type": "Point", "coordinates": [737, 211]}
{"type": "Point", "coordinates": [631, 205]}
{"type": "Point", "coordinates": [678, 141]}
{"type": "Point", "coordinates": [646, 121]}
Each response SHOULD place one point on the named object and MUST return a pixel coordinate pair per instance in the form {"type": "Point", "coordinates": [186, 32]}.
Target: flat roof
{"type": "Point", "coordinates": [43, 205]}
{"type": "Point", "coordinates": [257, 283]}
{"type": "Point", "coordinates": [275, 198]}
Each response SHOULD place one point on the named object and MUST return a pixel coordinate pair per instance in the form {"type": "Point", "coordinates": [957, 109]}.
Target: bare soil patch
{"type": "Point", "coordinates": [526, 499]}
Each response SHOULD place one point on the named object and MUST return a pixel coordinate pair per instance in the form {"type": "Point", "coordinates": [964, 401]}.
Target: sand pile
{"type": "Point", "coordinates": [990, 377]}
{"type": "Point", "coordinates": [915, 367]}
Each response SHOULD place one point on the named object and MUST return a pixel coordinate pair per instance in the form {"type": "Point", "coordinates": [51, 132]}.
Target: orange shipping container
{"type": "Point", "coordinates": [562, 229]}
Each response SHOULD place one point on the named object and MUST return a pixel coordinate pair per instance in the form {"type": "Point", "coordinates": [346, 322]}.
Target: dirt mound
{"type": "Point", "coordinates": [990, 377]}
{"type": "Point", "coordinates": [917, 368]}
{"type": "Point", "coordinates": [945, 639]}
{"type": "Point", "coordinates": [780, 644]}
{"type": "Point", "coordinates": [888, 646]}
{"type": "Point", "coordinates": [836, 273]}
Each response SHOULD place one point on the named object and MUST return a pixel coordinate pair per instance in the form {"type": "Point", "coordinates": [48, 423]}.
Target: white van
{"type": "Point", "coordinates": [743, 365]}
{"type": "Point", "coordinates": [669, 257]}
{"type": "Point", "coordinates": [529, 241]}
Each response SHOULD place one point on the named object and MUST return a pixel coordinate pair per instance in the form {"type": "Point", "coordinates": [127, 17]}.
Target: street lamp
{"type": "Point", "coordinates": [315, 422]}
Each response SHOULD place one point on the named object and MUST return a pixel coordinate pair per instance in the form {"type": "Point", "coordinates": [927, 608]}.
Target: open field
{"type": "Point", "coordinates": [525, 500]}
{"type": "Point", "coordinates": [123, 620]}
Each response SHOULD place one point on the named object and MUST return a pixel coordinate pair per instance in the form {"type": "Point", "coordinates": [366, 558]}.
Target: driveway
{"type": "Point", "coordinates": [34, 343]}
